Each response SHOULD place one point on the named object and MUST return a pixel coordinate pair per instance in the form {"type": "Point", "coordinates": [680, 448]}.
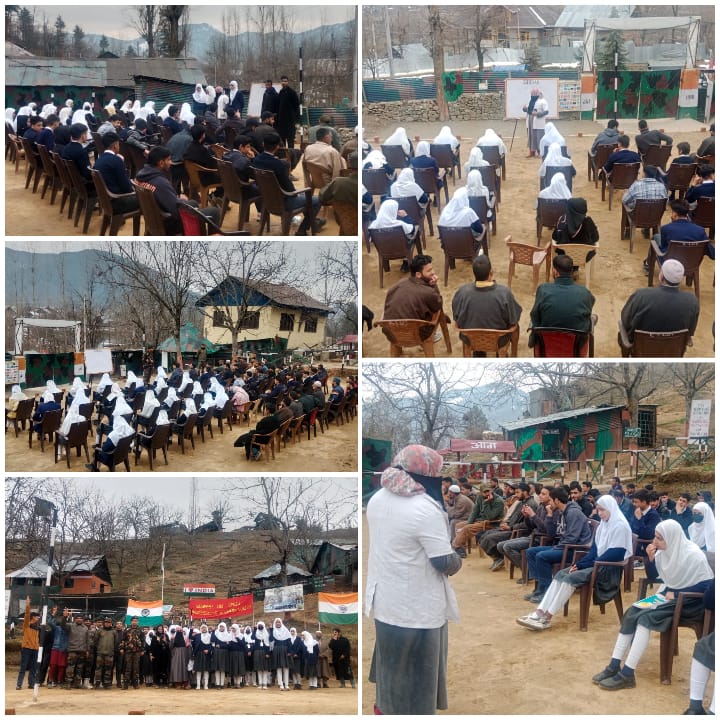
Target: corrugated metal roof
{"type": "Point", "coordinates": [44, 72]}
{"type": "Point", "coordinates": [531, 422]}
{"type": "Point", "coordinates": [122, 71]}
{"type": "Point", "coordinates": [274, 570]}
{"type": "Point", "coordinates": [574, 16]}
{"type": "Point", "coordinates": [37, 567]}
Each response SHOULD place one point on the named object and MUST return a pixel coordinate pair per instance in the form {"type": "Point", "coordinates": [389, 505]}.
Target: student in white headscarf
{"type": "Point", "coordinates": [236, 648]}
{"type": "Point", "coordinates": [126, 107]}
{"type": "Point", "coordinates": [311, 655]}
{"type": "Point", "coordinates": [491, 139]}
{"type": "Point", "coordinates": [376, 160]}
{"type": "Point", "coordinates": [423, 160]}
{"type": "Point", "coordinates": [475, 160]}
{"type": "Point", "coordinates": [147, 110]}
{"type": "Point", "coordinates": [202, 655]}
{"type": "Point", "coordinates": [477, 188]}
{"type": "Point", "coordinates": [249, 651]}
{"type": "Point", "coordinates": [235, 98]}
{"type": "Point", "coordinates": [295, 658]}
{"type": "Point", "coordinates": [557, 189]}
{"type": "Point", "coordinates": [459, 214]}
{"type": "Point", "coordinates": [66, 112]}
{"type": "Point", "coordinates": [170, 399]}
{"type": "Point", "coordinates": [16, 395]}
{"type": "Point", "coordinates": [405, 186]}
{"type": "Point", "coordinates": [48, 108]}
{"type": "Point", "coordinates": [10, 118]}
{"type": "Point", "coordinates": [163, 114]}
{"type": "Point", "coordinates": [104, 454]}
{"type": "Point", "coordinates": [150, 404]}
{"type": "Point", "coordinates": [682, 566]}
{"type": "Point", "coordinates": [135, 109]}
{"type": "Point", "coordinates": [186, 114]}
{"type": "Point", "coordinates": [389, 216]}
{"type": "Point", "coordinates": [613, 543]}
{"type": "Point", "coordinates": [221, 638]}
{"type": "Point", "coordinates": [81, 115]}
{"type": "Point", "coordinates": [399, 137]}
{"type": "Point", "coordinates": [280, 638]}
{"type": "Point", "coordinates": [23, 117]}
{"type": "Point", "coordinates": [47, 403]}
{"type": "Point", "coordinates": [185, 381]}
{"type": "Point", "coordinates": [550, 136]}
{"type": "Point", "coordinates": [262, 655]}
{"type": "Point", "coordinates": [199, 101]}
{"type": "Point", "coordinates": [80, 397]}
{"type": "Point", "coordinates": [110, 108]}
{"type": "Point", "coordinates": [555, 158]}
{"type": "Point", "coordinates": [702, 530]}
{"type": "Point", "coordinates": [446, 137]}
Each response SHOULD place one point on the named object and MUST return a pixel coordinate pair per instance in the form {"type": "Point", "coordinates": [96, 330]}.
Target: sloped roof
{"type": "Point", "coordinates": [13, 50]}
{"type": "Point", "coordinates": [45, 72]}
{"type": "Point", "coordinates": [274, 571]}
{"type": "Point", "coordinates": [122, 71]}
{"type": "Point", "coordinates": [37, 567]}
{"type": "Point", "coordinates": [565, 415]}
{"type": "Point", "coordinates": [534, 16]}
{"type": "Point", "coordinates": [574, 16]}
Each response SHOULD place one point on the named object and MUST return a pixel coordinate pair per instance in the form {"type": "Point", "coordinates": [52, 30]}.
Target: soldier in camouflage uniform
{"type": "Point", "coordinates": [132, 649]}
{"type": "Point", "coordinates": [77, 651]}
{"type": "Point", "coordinates": [104, 644]}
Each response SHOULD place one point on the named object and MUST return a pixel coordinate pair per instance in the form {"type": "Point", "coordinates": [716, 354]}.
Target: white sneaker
{"type": "Point", "coordinates": [438, 337]}
{"type": "Point", "coordinates": [534, 623]}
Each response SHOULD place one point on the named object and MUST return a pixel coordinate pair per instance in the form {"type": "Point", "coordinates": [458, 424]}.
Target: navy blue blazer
{"type": "Point", "coordinates": [112, 168]}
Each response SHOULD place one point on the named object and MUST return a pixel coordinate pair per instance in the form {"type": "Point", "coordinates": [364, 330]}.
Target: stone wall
{"type": "Point", "coordinates": [473, 106]}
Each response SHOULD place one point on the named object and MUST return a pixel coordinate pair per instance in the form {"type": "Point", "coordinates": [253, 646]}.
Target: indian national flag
{"type": "Point", "coordinates": [148, 613]}
{"type": "Point", "coordinates": [338, 608]}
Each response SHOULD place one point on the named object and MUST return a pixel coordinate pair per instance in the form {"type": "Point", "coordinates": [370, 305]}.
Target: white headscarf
{"type": "Point", "coordinates": [308, 640]}
{"type": "Point", "coordinates": [121, 407]}
{"type": "Point", "coordinates": [133, 378]}
{"type": "Point", "coordinates": [615, 532]}
{"type": "Point", "coordinates": [126, 106]}
{"type": "Point", "coordinates": [79, 115]}
{"type": "Point", "coordinates": [554, 158]}
{"type": "Point", "coordinates": [110, 107]}
{"type": "Point", "coordinates": [280, 633]}
{"type": "Point", "coordinates": [211, 94]}
{"type": "Point", "coordinates": [120, 430]}
{"type": "Point", "coordinates": [405, 185]}
{"type": "Point", "coordinates": [475, 160]}
{"type": "Point", "coordinates": [136, 107]}
{"type": "Point", "coordinates": [492, 139]}
{"type": "Point", "coordinates": [80, 398]}
{"type": "Point", "coordinates": [186, 114]}
{"type": "Point", "coordinates": [551, 135]}
{"type": "Point", "coordinates": [208, 402]}
{"type": "Point", "coordinates": [261, 634]}
{"type": "Point", "coordinates": [28, 109]}
{"type": "Point", "coordinates": [422, 149]}
{"type": "Point", "coordinates": [475, 185]}
{"type": "Point", "coordinates": [387, 218]}
{"type": "Point", "coordinates": [557, 189]}
{"type": "Point", "coordinates": [171, 396]}
{"type": "Point", "coordinates": [73, 416]}
{"type": "Point", "coordinates": [149, 637]}
{"type": "Point", "coordinates": [190, 408]}
{"type": "Point", "coordinates": [104, 382]}
{"type": "Point", "coordinates": [399, 137]}
{"type": "Point", "coordinates": [222, 634]}
{"type": "Point", "coordinates": [10, 118]}
{"type": "Point", "coordinates": [185, 381]}
{"type": "Point", "coordinates": [47, 396]}
{"type": "Point", "coordinates": [162, 418]}
{"type": "Point", "coordinates": [200, 96]}
{"type": "Point", "coordinates": [52, 387]}
{"type": "Point", "coordinates": [197, 388]}
{"type": "Point", "coordinates": [16, 393]}
{"type": "Point", "coordinates": [161, 372]}
{"type": "Point", "coordinates": [233, 90]}
{"type": "Point", "coordinates": [248, 637]}
{"type": "Point", "coordinates": [163, 114]}
{"type": "Point", "coordinates": [682, 564]}
{"type": "Point", "coordinates": [703, 533]}
{"type": "Point", "coordinates": [160, 384]}
{"type": "Point", "coordinates": [445, 137]}
{"type": "Point", "coordinates": [48, 109]}
{"type": "Point", "coordinates": [457, 212]}
{"type": "Point", "coordinates": [375, 159]}
{"type": "Point", "coordinates": [149, 405]}
{"type": "Point", "coordinates": [293, 634]}
{"type": "Point", "coordinates": [77, 385]}
{"type": "Point", "coordinates": [221, 397]}
{"type": "Point", "coordinates": [205, 637]}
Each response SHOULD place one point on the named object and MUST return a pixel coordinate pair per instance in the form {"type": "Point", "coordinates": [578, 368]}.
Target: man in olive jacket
{"type": "Point", "coordinates": [488, 510]}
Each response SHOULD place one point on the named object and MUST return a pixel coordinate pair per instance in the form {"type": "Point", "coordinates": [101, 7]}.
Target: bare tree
{"type": "Point", "coordinates": [174, 32]}
{"type": "Point", "coordinates": [690, 379]}
{"type": "Point", "coordinates": [146, 20]}
{"type": "Point", "coordinates": [438, 56]}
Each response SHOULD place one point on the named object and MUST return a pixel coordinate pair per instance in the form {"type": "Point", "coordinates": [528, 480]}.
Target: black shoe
{"type": "Point", "coordinates": [646, 233]}
{"type": "Point", "coordinates": [608, 672]}
{"type": "Point", "coordinates": [693, 711]}
{"type": "Point", "coordinates": [536, 597]}
{"type": "Point", "coordinates": [618, 682]}
{"type": "Point", "coordinates": [405, 267]}
{"type": "Point", "coordinates": [461, 552]}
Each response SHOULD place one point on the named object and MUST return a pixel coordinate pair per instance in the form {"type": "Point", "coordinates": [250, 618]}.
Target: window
{"type": "Point", "coordinates": [251, 321]}
{"type": "Point", "coordinates": [69, 583]}
{"type": "Point", "coordinates": [219, 318]}
{"type": "Point", "coordinates": [287, 322]}
{"type": "Point", "coordinates": [311, 325]}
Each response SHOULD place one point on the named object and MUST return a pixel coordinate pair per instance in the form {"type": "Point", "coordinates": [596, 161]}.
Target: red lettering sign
{"type": "Point", "coordinates": [240, 606]}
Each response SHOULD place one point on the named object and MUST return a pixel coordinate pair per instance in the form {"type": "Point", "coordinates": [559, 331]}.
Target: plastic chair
{"type": "Point", "coordinates": [33, 165]}
{"type": "Point", "coordinates": [492, 182]}
{"type": "Point", "coordinates": [76, 438]}
{"type": "Point", "coordinates": [679, 177]}
{"type": "Point", "coordinates": [134, 157]}
{"type": "Point", "coordinates": [460, 244]}
{"type": "Point", "coordinates": [120, 454]}
{"type": "Point", "coordinates": [550, 170]}
{"type": "Point", "coordinates": [273, 201]}
{"type": "Point", "coordinates": [52, 178]}
{"type": "Point", "coordinates": [152, 214]}
{"type": "Point", "coordinates": [83, 198]}
{"type": "Point", "coordinates": [595, 164]}
{"type": "Point", "coordinates": [23, 413]}
{"type": "Point", "coordinates": [68, 194]}
{"type": "Point", "coordinates": [690, 254]}
{"type": "Point", "coordinates": [426, 179]}
{"type": "Point", "coordinates": [530, 255]}
{"type": "Point", "coordinates": [479, 204]}
{"type": "Point", "coordinates": [446, 159]}
{"type": "Point", "coordinates": [195, 223]}
{"type": "Point", "coordinates": [157, 440]}
{"type": "Point", "coordinates": [235, 190]}
{"type": "Point", "coordinates": [196, 186]}
{"type": "Point", "coordinates": [491, 154]}
{"type": "Point", "coordinates": [395, 156]}
{"type": "Point", "coordinates": [414, 333]}
{"type": "Point", "coordinates": [112, 220]}
{"type": "Point", "coordinates": [622, 177]}
{"type": "Point", "coordinates": [704, 215]}
{"type": "Point", "coordinates": [646, 214]}
{"type": "Point", "coordinates": [205, 422]}
{"type": "Point", "coordinates": [264, 444]}
{"type": "Point", "coordinates": [579, 252]}
{"type": "Point", "coordinates": [49, 426]}
{"type": "Point", "coordinates": [376, 182]}
{"type": "Point", "coordinates": [562, 342]}
{"type": "Point", "coordinates": [488, 341]}
{"type": "Point", "coordinates": [346, 216]}
{"type": "Point", "coordinates": [416, 213]}
{"type": "Point", "coordinates": [549, 211]}
{"type": "Point", "coordinates": [392, 244]}
{"type": "Point", "coordinates": [653, 344]}
{"type": "Point", "coordinates": [657, 155]}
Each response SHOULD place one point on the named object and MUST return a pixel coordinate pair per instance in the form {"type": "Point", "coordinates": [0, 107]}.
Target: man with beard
{"type": "Point", "coordinates": [340, 649]}
{"type": "Point", "coordinates": [104, 645]}
{"type": "Point", "coordinates": [288, 112]}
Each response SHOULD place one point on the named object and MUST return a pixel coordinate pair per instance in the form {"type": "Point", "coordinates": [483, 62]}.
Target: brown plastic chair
{"type": "Point", "coordinates": [346, 216]}
{"type": "Point", "coordinates": [647, 214]}
{"type": "Point", "coordinates": [185, 431]}
{"type": "Point", "coordinates": [120, 454]}
{"type": "Point", "coordinates": [152, 214]}
{"type": "Point", "coordinates": [157, 440]}
{"type": "Point", "coordinates": [530, 255]}
{"type": "Point", "coordinates": [426, 179]}
{"type": "Point", "coordinates": [416, 213]}
{"type": "Point", "coordinates": [134, 158]}
{"type": "Point", "coordinates": [395, 156]}
{"type": "Point", "coordinates": [316, 176]}
{"type": "Point", "coordinates": [562, 342]}
{"type": "Point", "coordinates": [205, 422]}
{"type": "Point", "coordinates": [705, 160]}
{"type": "Point", "coordinates": [657, 155]}
{"type": "Point", "coordinates": [83, 198]}
{"type": "Point", "coordinates": [19, 150]}
{"type": "Point", "coordinates": [33, 165]}
{"type": "Point", "coordinates": [230, 136]}
{"type": "Point", "coordinates": [272, 197]}
{"type": "Point", "coordinates": [491, 154]}
{"type": "Point", "coordinates": [376, 181]}
{"type": "Point", "coordinates": [282, 432]}
{"type": "Point", "coordinates": [488, 341]}
{"type": "Point", "coordinates": [224, 414]}
{"type": "Point", "coordinates": [690, 254]}
{"type": "Point", "coordinates": [653, 344]}
{"type": "Point", "coordinates": [265, 444]}
{"type": "Point", "coordinates": [479, 204]}
{"type": "Point", "coordinates": [446, 159]}
{"type": "Point", "coordinates": [52, 179]}
{"type": "Point", "coordinates": [392, 244]}
{"type": "Point", "coordinates": [579, 252]}
{"type": "Point", "coordinates": [679, 177]}
{"type": "Point", "coordinates": [235, 190]}
{"type": "Point", "coordinates": [549, 211]}
{"type": "Point", "coordinates": [622, 177]}
{"type": "Point", "coordinates": [23, 413]}
{"type": "Point", "coordinates": [196, 224]}
{"type": "Point", "coordinates": [460, 244]}
{"type": "Point", "coordinates": [76, 438]}
{"type": "Point", "coordinates": [409, 334]}
{"type": "Point", "coordinates": [550, 170]}
{"type": "Point", "coordinates": [602, 155]}
{"type": "Point", "coordinates": [50, 424]}
{"type": "Point", "coordinates": [68, 194]}
{"type": "Point", "coordinates": [311, 422]}
{"type": "Point", "coordinates": [196, 186]}
{"type": "Point", "coordinates": [492, 182]}
{"type": "Point", "coordinates": [704, 214]}
{"type": "Point", "coordinates": [112, 220]}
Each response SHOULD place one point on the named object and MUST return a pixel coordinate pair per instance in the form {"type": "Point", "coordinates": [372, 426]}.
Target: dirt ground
{"type": "Point", "coordinates": [496, 667]}
{"type": "Point", "coordinates": [169, 701]}
{"type": "Point", "coordinates": [616, 274]}
{"type": "Point", "coordinates": [22, 216]}
{"type": "Point", "coordinates": [335, 450]}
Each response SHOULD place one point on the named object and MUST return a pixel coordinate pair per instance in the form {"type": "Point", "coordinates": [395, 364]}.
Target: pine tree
{"type": "Point", "coordinates": [104, 44]}
{"type": "Point", "coordinates": [532, 58]}
{"type": "Point", "coordinates": [605, 54]}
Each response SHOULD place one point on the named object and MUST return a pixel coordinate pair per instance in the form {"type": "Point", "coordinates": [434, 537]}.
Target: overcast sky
{"type": "Point", "coordinates": [113, 20]}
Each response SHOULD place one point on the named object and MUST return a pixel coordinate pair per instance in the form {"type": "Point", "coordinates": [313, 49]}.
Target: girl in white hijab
{"type": "Point", "coordinates": [184, 381]}
{"type": "Point", "coordinates": [186, 114]}
{"type": "Point", "coordinates": [475, 160]}
{"type": "Point", "coordinates": [477, 188]}
{"type": "Point", "coordinates": [197, 389]}
{"type": "Point", "coordinates": [72, 417]}
{"type": "Point", "coordinates": [200, 96]}
{"type": "Point", "coordinates": [208, 404]}
{"type": "Point", "coordinates": [16, 395]}
{"type": "Point", "coordinates": [202, 655]}
{"type": "Point", "coordinates": [135, 109]}
{"type": "Point", "coordinates": [110, 108]}
{"type": "Point", "coordinates": [48, 109]}
{"type": "Point", "coordinates": [551, 135]}
{"type": "Point", "coordinates": [280, 637]}
{"type": "Point", "coordinates": [10, 118]}
{"type": "Point", "coordinates": [388, 217]}
{"type": "Point", "coordinates": [459, 214]}
{"type": "Point", "coordinates": [377, 161]}
{"type": "Point", "coordinates": [81, 397]}
{"type": "Point", "coordinates": [52, 387]}
{"type": "Point", "coordinates": [126, 107]}
{"type": "Point", "coordinates": [170, 399]}
{"type": "Point", "coordinates": [702, 530]}
{"type": "Point", "coordinates": [79, 115]}
{"type": "Point", "coordinates": [399, 137]}
{"type": "Point", "coordinates": [66, 112]}
{"type": "Point", "coordinates": [295, 657]}
{"type": "Point", "coordinates": [161, 372]}
{"type": "Point", "coordinates": [249, 650]}
{"type": "Point", "coordinates": [262, 655]}
{"type": "Point", "coordinates": [613, 543]}
{"type": "Point", "coordinates": [104, 382]}
{"type": "Point", "coordinates": [557, 189]}
{"type": "Point", "coordinates": [120, 430]}
{"type": "Point", "coordinates": [133, 379]}
{"type": "Point", "coordinates": [312, 654]}
{"type": "Point", "coordinates": [445, 137]}
{"type": "Point", "coordinates": [211, 94]}
{"type": "Point", "coordinates": [149, 404]}
{"type": "Point", "coordinates": [681, 565]}
{"type": "Point", "coordinates": [233, 91]}
{"type": "Point", "coordinates": [221, 638]}
{"type": "Point", "coordinates": [28, 110]}
{"type": "Point", "coordinates": [164, 114]}
{"type": "Point", "coordinates": [555, 158]}
{"type": "Point", "coordinates": [405, 186]}
{"type": "Point", "coordinates": [491, 139]}
{"type": "Point", "coordinates": [237, 656]}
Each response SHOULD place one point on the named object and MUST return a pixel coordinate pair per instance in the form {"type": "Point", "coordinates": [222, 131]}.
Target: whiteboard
{"type": "Point", "coordinates": [517, 94]}
{"type": "Point", "coordinates": [98, 361]}
{"type": "Point", "coordinates": [255, 100]}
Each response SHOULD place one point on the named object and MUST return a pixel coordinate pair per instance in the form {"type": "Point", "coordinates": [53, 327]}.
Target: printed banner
{"type": "Point", "coordinates": [198, 589]}
{"type": "Point", "coordinates": [284, 598]}
{"type": "Point", "coordinates": [240, 606]}
{"type": "Point", "coordinates": [338, 608]}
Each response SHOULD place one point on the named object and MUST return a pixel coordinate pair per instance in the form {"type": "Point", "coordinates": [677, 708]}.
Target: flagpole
{"type": "Point", "coordinates": [162, 567]}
